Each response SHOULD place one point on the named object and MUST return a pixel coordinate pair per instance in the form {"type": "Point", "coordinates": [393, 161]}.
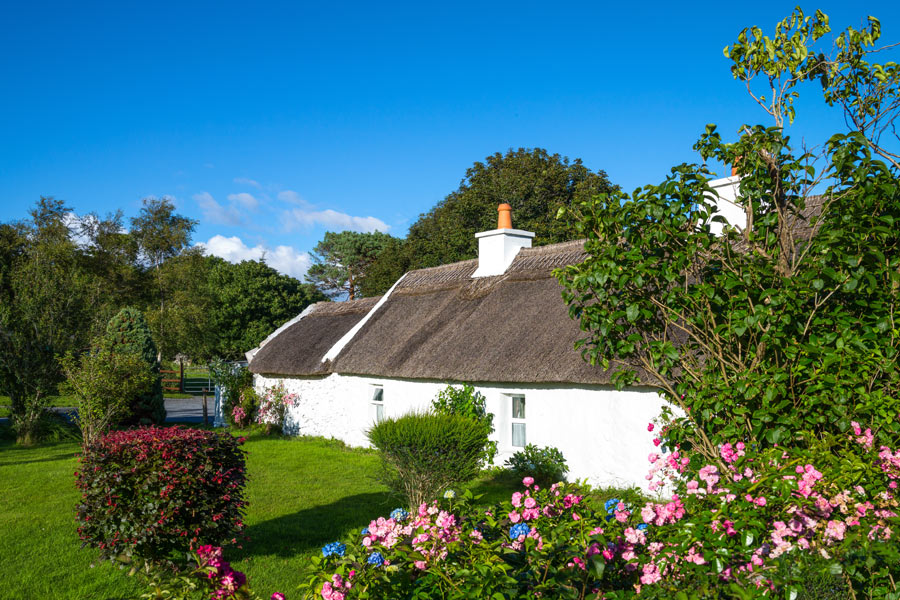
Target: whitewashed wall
{"type": "Point", "coordinates": [602, 432]}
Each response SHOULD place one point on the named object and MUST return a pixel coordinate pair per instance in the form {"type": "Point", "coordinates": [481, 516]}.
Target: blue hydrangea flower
{"type": "Point", "coordinates": [610, 505]}
{"type": "Point", "coordinates": [365, 531]}
{"type": "Point", "coordinates": [375, 559]}
{"type": "Point", "coordinates": [333, 548]}
{"type": "Point", "coordinates": [519, 529]}
{"type": "Point", "coordinates": [642, 527]}
{"type": "Point", "coordinates": [399, 515]}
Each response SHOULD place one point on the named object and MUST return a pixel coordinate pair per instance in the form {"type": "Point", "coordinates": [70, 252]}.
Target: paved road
{"type": "Point", "coordinates": [188, 410]}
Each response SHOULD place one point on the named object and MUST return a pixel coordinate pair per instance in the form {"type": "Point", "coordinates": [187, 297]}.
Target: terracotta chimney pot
{"type": "Point", "coordinates": [504, 216]}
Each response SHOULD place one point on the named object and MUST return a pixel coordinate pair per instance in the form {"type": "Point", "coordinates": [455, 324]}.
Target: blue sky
{"type": "Point", "coordinates": [273, 123]}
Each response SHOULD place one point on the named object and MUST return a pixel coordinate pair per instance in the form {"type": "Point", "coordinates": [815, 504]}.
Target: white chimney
{"type": "Point", "coordinates": [497, 248]}
{"type": "Point", "coordinates": [727, 189]}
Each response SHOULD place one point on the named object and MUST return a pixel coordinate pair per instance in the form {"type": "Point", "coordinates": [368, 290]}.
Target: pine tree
{"type": "Point", "coordinates": [128, 332]}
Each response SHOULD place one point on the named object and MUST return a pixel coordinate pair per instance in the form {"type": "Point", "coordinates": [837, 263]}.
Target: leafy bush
{"type": "Point", "coordinates": [234, 379]}
{"type": "Point", "coordinates": [246, 410]}
{"type": "Point", "coordinates": [424, 453]}
{"type": "Point", "coordinates": [105, 384]}
{"type": "Point", "coordinates": [128, 333]}
{"type": "Point", "coordinates": [150, 493]}
{"type": "Point", "coordinates": [545, 465]}
{"type": "Point", "coordinates": [466, 402]}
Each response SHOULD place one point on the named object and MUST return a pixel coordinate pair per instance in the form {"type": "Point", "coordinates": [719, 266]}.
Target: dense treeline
{"type": "Point", "coordinates": [62, 278]}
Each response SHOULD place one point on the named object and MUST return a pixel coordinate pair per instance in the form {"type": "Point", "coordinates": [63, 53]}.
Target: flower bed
{"type": "Point", "coordinates": [753, 525]}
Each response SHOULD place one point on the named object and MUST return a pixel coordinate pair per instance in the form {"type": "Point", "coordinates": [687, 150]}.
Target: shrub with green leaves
{"type": "Point", "coordinates": [149, 494]}
{"type": "Point", "coordinates": [104, 384]}
{"type": "Point", "coordinates": [424, 453]}
{"type": "Point", "coordinates": [546, 465]}
{"type": "Point", "coordinates": [234, 379]}
{"type": "Point", "coordinates": [466, 402]}
{"type": "Point", "coordinates": [128, 333]}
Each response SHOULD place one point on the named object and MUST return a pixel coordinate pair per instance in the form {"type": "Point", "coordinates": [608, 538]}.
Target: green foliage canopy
{"type": "Point", "coordinates": [777, 332]}
{"type": "Point", "coordinates": [252, 300]}
{"type": "Point", "coordinates": [342, 259]}
{"type": "Point", "coordinates": [534, 182]}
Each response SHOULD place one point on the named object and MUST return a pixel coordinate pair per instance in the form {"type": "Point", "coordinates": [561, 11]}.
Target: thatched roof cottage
{"type": "Point", "coordinates": [497, 322]}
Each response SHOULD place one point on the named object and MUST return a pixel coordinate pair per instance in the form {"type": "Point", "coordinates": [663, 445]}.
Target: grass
{"type": "Point", "coordinates": [303, 493]}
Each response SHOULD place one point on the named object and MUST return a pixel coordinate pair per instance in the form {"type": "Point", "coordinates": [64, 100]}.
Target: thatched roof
{"type": "Point", "coordinates": [442, 324]}
{"type": "Point", "coordinates": [299, 348]}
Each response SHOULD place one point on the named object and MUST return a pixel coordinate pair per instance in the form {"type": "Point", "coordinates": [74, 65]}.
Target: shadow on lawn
{"type": "Point", "coordinates": [12, 463]}
{"type": "Point", "coordinates": [312, 528]}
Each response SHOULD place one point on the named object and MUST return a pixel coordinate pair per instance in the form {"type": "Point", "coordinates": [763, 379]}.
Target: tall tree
{"type": "Point", "coordinates": [251, 300]}
{"type": "Point", "coordinates": [161, 234]}
{"type": "Point", "coordinates": [534, 182]}
{"type": "Point", "coordinates": [43, 311]}
{"type": "Point", "coordinates": [783, 330]}
{"type": "Point", "coordinates": [342, 259]}
{"type": "Point", "coordinates": [109, 255]}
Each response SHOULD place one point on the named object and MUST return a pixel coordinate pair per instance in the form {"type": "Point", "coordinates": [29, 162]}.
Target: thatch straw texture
{"type": "Point", "coordinates": [439, 323]}
{"type": "Point", "coordinates": [298, 350]}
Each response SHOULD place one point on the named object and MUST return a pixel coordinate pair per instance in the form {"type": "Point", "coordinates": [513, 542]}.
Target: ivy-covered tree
{"type": "Point", "coordinates": [128, 333]}
{"type": "Point", "coordinates": [534, 182]}
{"type": "Point", "coordinates": [784, 329]}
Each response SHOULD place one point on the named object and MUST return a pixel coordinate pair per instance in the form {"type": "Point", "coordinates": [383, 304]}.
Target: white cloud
{"type": "Point", "coordinates": [215, 212]}
{"type": "Point", "coordinates": [332, 219]}
{"type": "Point", "coordinates": [246, 181]}
{"type": "Point", "coordinates": [244, 199]}
{"type": "Point", "coordinates": [284, 259]}
{"type": "Point", "coordinates": [292, 197]}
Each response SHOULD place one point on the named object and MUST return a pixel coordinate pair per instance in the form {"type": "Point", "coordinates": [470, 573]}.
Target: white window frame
{"type": "Point", "coordinates": [376, 401]}
{"type": "Point", "coordinates": [513, 420]}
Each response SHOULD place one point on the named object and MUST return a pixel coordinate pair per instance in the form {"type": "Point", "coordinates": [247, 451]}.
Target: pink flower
{"type": "Point", "coordinates": [576, 516]}
{"type": "Point", "coordinates": [420, 564]}
{"type": "Point", "coordinates": [657, 441]}
{"type": "Point", "coordinates": [607, 554]}
{"type": "Point", "coordinates": [649, 426]}
{"type": "Point", "coordinates": [514, 517]}
{"type": "Point", "coordinates": [595, 531]}
{"type": "Point", "coordinates": [517, 499]}
{"type": "Point", "coordinates": [528, 481]}
{"type": "Point", "coordinates": [277, 596]}
{"type": "Point", "coordinates": [651, 574]}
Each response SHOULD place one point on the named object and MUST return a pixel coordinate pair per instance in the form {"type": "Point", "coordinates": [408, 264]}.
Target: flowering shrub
{"type": "Point", "coordinates": [772, 523]}
{"type": "Point", "coordinates": [152, 492]}
{"type": "Point", "coordinates": [208, 576]}
{"type": "Point", "coordinates": [273, 406]}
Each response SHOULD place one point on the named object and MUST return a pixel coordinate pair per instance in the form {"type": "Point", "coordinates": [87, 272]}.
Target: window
{"type": "Point", "coordinates": [518, 421]}
{"type": "Point", "coordinates": [377, 401]}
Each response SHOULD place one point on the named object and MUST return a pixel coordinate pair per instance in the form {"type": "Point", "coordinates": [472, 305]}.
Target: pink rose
{"type": "Point", "coordinates": [528, 481]}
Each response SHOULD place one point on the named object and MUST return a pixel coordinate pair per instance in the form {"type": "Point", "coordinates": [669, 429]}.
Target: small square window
{"type": "Point", "coordinates": [517, 429]}
{"type": "Point", "coordinates": [518, 407]}
{"type": "Point", "coordinates": [377, 403]}
{"type": "Point", "coordinates": [518, 435]}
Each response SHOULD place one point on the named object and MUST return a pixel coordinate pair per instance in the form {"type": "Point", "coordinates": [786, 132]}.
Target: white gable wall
{"type": "Point", "coordinates": [602, 432]}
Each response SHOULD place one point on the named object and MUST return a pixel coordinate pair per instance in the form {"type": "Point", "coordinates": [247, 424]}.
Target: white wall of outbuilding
{"type": "Point", "coordinates": [601, 431]}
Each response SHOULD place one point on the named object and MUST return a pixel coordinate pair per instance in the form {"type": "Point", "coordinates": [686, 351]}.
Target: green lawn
{"type": "Point", "coordinates": [303, 493]}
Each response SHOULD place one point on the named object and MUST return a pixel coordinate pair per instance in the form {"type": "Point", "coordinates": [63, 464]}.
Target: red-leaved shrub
{"type": "Point", "coordinates": [152, 492]}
